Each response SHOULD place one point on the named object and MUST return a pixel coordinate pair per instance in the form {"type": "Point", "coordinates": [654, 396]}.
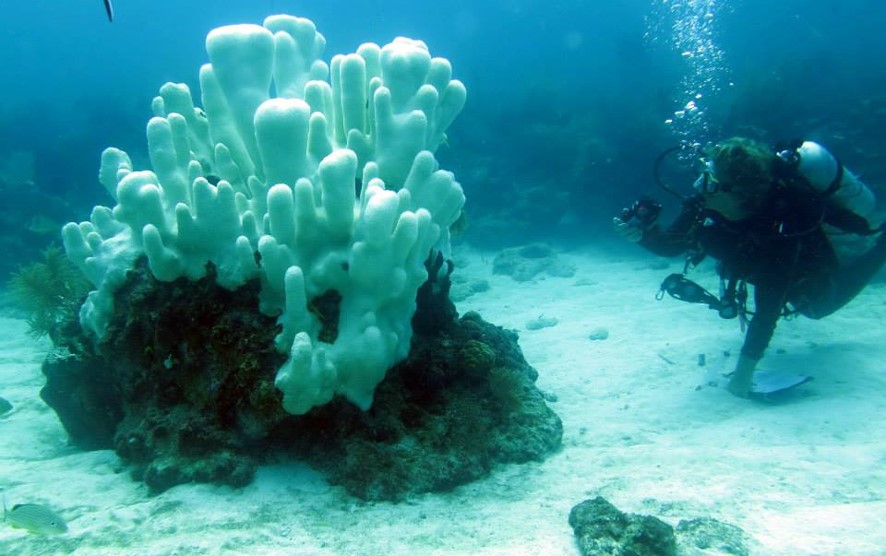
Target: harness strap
{"type": "Point", "coordinates": [836, 182]}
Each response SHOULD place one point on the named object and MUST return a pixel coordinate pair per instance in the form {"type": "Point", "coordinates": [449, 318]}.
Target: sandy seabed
{"type": "Point", "coordinates": [645, 426]}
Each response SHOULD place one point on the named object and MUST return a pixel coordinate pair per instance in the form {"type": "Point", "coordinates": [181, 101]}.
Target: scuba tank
{"type": "Point", "coordinates": [830, 179]}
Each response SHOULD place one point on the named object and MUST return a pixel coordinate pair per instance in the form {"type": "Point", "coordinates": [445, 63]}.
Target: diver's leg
{"type": "Point", "coordinates": [848, 281]}
{"type": "Point", "coordinates": [741, 381]}
{"type": "Point", "coordinates": [768, 302]}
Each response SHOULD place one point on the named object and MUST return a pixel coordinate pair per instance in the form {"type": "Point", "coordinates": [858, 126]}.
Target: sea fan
{"type": "Point", "coordinates": [49, 290]}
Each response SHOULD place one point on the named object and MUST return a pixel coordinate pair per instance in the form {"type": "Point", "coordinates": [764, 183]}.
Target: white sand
{"type": "Point", "coordinates": [642, 428]}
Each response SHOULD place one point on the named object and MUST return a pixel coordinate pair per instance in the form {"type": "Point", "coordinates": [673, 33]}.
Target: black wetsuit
{"type": "Point", "coordinates": [783, 251]}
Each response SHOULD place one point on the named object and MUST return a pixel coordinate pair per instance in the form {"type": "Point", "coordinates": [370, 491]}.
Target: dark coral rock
{"type": "Point", "coordinates": [196, 364]}
{"type": "Point", "coordinates": [526, 262]}
{"type": "Point", "coordinates": [192, 365]}
{"type": "Point", "coordinates": [82, 387]}
{"type": "Point", "coordinates": [434, 310]}
{"type": "Point", "coordinates": [476, 358]}
{"type": "Point", "coordinates": [706, 533]}
{"type": "Point", "coordinates": [84, 392]}
{"type": "Point", "coordinates": [602, 530]}
{"type": "Point", "coordinates": [235, 470]}
{"type": "Point", "coordinates": [182, 386]}
{"type": "Point", "coordinates": [435, 423]}
{"type": "Point", "coordinates": [5, 406]}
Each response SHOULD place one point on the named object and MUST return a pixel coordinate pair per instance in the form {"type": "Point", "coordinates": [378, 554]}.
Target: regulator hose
{"type": "Point", "coordinates": [656, 172]}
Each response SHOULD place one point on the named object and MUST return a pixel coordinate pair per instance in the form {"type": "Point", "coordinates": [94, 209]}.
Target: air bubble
{"type": "Point", "coordinates": [689, 26]}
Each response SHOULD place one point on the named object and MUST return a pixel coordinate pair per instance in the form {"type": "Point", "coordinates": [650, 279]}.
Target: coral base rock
{"type": "Point", "coordinates": [182, 387]}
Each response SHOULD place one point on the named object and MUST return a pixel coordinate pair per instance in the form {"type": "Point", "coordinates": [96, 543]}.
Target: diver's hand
{"type": "Point", "coordinates": [628, 230]}
{"type": "Point", "coordinates": [637, 218]}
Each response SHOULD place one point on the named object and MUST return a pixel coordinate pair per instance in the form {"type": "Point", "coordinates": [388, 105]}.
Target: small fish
{"type": "Point", "coordinates": [35, 518]}
{"type": "Point", "coordinates": [43, 225]}
{"type": "Point", "coordinates": [109, 8]}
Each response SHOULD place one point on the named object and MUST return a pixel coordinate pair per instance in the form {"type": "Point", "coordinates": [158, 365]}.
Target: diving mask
{"type": "Point", "coordinates": [707, 183]}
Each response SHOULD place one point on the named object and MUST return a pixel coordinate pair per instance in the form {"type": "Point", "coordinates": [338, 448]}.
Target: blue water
{"type": "Point", "coordinates": [569, 101]}
{"type": "Point", "coordinates": [569, 104]}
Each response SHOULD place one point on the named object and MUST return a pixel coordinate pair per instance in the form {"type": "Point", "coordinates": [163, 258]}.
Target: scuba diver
{"type": "Point", "coordinates": [765, 216]}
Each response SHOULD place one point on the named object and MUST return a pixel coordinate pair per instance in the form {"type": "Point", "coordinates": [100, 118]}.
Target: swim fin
{"type": "Point", "coordinates": [772, 382]}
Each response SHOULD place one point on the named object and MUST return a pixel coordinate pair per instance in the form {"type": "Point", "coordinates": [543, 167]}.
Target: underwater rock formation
{"type": "Point", "coordinates": [278, 284]}
{"type": "Point", "coordinates": [601, 529]}
{"type": "Point", "coordinates": [526, 262]}
{"type": "Point", "coordinates": [182, 387]}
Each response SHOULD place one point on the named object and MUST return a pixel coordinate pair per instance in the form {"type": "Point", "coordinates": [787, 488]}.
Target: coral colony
{"type": "Point", "coordinates": [308, 176]}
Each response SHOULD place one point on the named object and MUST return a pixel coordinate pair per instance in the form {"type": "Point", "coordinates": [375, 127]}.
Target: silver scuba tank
{"type": "Point", "coordinates": [821, 169]}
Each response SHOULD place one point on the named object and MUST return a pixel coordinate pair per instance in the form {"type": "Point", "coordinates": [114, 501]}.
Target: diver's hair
{"type": "Point", "coordinates": [745, 167]}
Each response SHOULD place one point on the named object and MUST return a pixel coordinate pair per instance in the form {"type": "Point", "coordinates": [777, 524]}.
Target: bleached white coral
{"type": "Point", "coordinates": [332, 184]}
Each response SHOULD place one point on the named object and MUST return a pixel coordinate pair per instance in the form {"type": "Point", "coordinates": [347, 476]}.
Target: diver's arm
{"type": "Point", "coordinates": [665, 243]}
{"type": "Point", "coordinates": [677, 238]}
